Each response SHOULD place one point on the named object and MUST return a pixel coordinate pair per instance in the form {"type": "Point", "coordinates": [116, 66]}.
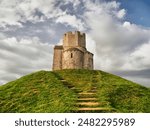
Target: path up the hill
{"type": "Point", "coordinates": [87, 101]}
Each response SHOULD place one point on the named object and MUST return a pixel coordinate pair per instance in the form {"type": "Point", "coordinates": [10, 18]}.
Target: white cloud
{"type": "Point", "coordinates": [90, 44]}
{"type": "Point", "coordinates": [70, 20]}
{"type": "Point", "coordinates": [115, 40]}
{"type": "Point", "coordinates": [16, 12]}
{"type": "Point", "coordinates": [139, 59]}
{"type": "Point", "coordinates": [20, 57]}
{"type": "Point", "coordinates": [10, 19]}
{"type": "Point", "coordinates": [121, 13]}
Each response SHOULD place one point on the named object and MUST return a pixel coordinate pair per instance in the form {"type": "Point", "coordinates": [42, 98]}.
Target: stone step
{"type": "Point", "coordinates": [63, 80]}
{"type": "Point", "coordinates": [88, 103]}
{"type": "Point", "coordinates": [90, 109]}
{"type": "Point", "coordinates": [94, 87]}
{"type": "Point", "coordinates": [86, 95]}
{"type": "Point", "coordinates": [87, 99]}
{"type": "Point", "coordinates": [93, 109]}
{"type": "Point", "coordinates": [93, 90]}
{"type": "Point", "coordinates": [74, 88]}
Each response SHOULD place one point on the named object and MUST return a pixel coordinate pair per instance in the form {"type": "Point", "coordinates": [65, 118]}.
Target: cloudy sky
{"type": "Point", "coordinates": [118, 33]}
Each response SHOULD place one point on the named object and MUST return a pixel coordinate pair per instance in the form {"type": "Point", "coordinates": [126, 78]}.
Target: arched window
{"type": "Point", "coordinates": [71, 55]}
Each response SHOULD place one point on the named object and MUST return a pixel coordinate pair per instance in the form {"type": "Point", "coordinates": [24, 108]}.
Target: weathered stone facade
{"type": "Point", "coordinates": [72, 54]}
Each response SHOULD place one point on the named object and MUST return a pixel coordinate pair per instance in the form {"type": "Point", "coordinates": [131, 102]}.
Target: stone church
{"type": "Point", "coordinates": [73, 53]}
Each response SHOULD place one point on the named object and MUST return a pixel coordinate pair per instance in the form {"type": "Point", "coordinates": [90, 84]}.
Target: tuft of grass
{"type": "Point", "coordinates": [123, 95]}
{"type": "Point", "coordinates": [113, 92]}
{"type": "Point", "coordinates": [37, 92]}
{"type": "Point", "coordinates": [43, 91]}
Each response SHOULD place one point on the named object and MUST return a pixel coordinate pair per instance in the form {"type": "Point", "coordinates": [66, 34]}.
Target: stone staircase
{"type": "Point", "coordinates": [87, 101]}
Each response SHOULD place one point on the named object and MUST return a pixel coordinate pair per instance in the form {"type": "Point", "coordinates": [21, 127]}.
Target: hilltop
{"type": "Point", "coordinates": [73, 91]}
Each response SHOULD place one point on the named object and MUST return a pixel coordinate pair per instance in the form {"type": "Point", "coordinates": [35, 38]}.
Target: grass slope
{"type": "Point", "coordinates": [43, 91]}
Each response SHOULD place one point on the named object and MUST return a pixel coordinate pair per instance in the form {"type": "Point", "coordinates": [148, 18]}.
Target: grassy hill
{"type": "Point", "coordinates": [73, 91]}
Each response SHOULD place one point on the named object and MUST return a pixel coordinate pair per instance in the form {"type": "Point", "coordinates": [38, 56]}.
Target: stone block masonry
{"type": "Point", "coordinates": [73, 53]}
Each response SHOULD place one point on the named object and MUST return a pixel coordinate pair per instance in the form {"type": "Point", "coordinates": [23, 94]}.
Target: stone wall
{"type": "Point", "coordinates": [73, 59]}
{"type": "Point", "coordinates": [72, 54]}
{"type": "Point", "coordinates": [88, 60]}
{"type": "Point", "coordinates": [76, 39]}
{"type": "Point", "coordinates": [57, 58]}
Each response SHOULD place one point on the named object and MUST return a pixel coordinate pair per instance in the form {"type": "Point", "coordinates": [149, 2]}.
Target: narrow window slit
{"type": "Point", "coordinates": [71, 55]}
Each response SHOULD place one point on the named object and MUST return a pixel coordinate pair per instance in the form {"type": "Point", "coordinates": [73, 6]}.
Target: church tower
{"type": "Point", "coordinates": [73, 53]}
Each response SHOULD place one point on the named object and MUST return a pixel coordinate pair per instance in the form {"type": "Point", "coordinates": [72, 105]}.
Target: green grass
{"type": "Point", "coordinates": [37, 92]}
{"type": "Point", "coordinates": [44, 92]}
